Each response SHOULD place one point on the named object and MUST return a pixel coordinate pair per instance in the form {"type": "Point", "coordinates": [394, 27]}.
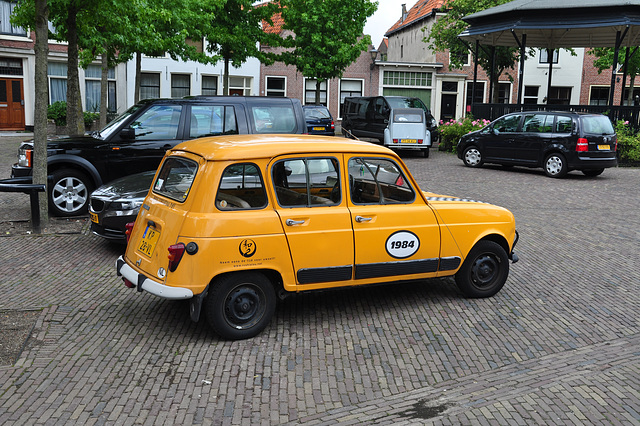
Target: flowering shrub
{"type": "Point", "coordinates": [628, 143]}
{"type": "Point", "coordinates": [451, 131]}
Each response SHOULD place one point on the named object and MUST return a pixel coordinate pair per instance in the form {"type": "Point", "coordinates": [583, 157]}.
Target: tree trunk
{"type": "Point", "coordinates": [225, 78]}
{"type": "Point", "coordinates": [136, 95]}
{"type": "Point", "coordinates": [41, 49]}
{"type": "Point", "coordinates": [104, 89]}
{"type": "Point", "coordinates": [75, 121]}
{"type": "Point", "coordinates": [318, 83]}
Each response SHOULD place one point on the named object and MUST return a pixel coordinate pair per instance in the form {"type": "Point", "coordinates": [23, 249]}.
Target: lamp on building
{"type": "Point", "coordinates": [374, 55]}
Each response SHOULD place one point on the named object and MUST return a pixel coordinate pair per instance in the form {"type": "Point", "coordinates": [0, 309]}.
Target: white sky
{"type": "Point", "coordinates": [388, 13]}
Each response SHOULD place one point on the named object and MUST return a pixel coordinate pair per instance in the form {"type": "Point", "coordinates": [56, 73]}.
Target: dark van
{"type": "Point", "coordinates": [556, 141]}
{"type": "Point", "coordinates": [137, 140]}
{"type": "Point", "coordinates": [368, 116]}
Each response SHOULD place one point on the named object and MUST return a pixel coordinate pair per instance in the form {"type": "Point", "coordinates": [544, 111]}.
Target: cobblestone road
{"type": "Point", "coordinates": [560, 344]}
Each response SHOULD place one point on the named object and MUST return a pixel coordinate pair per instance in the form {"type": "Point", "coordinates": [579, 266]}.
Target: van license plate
{"type": "Point", "coordinates": [149, 240]}
{"type": "Point", "coordinates": [604, 147]}
{"type": "Point", "coordinates": [408, 141]}
{"type": "Point", "coordinates": [318, 128]}
{"type": "Point", "coordinates": [94, 217]}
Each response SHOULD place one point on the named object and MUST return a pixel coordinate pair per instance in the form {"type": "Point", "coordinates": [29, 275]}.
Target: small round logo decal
{"type": "Point", "coordinates": [247, 248]}
{"type": "Point", "coordinates": [402, 244]}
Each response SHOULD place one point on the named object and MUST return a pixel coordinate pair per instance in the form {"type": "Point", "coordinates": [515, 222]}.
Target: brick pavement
{"type": "Point", "coordinates": [558, 345]}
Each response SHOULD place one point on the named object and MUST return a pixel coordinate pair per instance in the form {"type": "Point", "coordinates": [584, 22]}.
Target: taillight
{"type": "Point", "coordinates": [583, 145]}
{"type": "Point", "coordinates": [420, 141]}
{"type": "Point", "coordinates": [333, 125]}
{"type": "Point", "coordinates": [175, 255]}
{"type": "Point", "coordinates": [128, 228]}
{"type": "Point", "coordinates": [615, 144]}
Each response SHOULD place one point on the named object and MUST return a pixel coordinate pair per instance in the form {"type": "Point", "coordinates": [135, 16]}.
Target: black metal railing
{"type": "Point", "coordinates": [615, 113]}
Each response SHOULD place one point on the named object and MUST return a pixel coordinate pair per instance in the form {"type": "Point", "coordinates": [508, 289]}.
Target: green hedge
{"type": "Point", "coordinates": [57, 112]}
{"type": "Point", "coordinates": [628, 143]}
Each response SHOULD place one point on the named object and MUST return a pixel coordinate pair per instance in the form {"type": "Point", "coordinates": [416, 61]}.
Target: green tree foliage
{"type": "Point", "coordinates": [444, 36]}
{"type": "Point", "coordinates": [235, 31]}
{"type": "Point", "coordinates": [630, 56]}
{"type": "Point", "coordinates": [328, 35]}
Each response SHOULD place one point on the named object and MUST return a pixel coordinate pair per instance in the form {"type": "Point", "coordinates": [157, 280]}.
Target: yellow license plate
{"type": "Point", "coordinates": [604, 147]}
{"type": "Point", "coordinates": [149, 240]}
{"type": "Point", "coordinates": [408, 141]}
{"type": "Point", "coordinates": [94, 217]}
{"type": "Point", "coordinates": [318, 128]}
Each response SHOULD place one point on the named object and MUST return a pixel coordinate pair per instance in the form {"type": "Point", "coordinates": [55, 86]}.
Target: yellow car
{"type": "Point", "coordinates": [233, 222]}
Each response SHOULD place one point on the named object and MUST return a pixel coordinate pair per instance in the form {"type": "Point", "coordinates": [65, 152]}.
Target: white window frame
{"type": "Point", "coordinates": [304, 91]}
{"type": "Point", "coordinates": [266, 84]}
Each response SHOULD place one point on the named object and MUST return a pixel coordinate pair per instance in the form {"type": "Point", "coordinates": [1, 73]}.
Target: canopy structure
{"type": "Point", "coordinates": [553, 24]}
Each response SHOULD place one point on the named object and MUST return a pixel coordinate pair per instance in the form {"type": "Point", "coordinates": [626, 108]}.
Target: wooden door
{"type": "Point", "coordinates": [11, 104]}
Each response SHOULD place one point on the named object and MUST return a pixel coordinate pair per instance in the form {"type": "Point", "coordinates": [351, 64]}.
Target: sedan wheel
{"type": "Point", "coordinates": [472, 157]}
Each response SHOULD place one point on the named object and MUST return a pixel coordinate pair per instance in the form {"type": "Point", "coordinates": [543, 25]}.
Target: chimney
{"type": "Point", "coordinates": [404, 12]}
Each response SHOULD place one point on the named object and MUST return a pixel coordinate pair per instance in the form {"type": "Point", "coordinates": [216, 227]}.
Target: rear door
{"type": "Point", "coordinates": [396, 233]}
{"type": "Point", "coordinates": [537, 132]}
{"type": "Point", "coordinates": [315, 217]}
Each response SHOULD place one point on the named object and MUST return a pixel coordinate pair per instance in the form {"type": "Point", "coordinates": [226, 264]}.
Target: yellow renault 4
{"type": "Point", "coordinates": [234, 222]}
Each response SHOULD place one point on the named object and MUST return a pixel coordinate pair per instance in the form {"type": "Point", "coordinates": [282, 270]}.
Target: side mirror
{"type": "Point", "coordinates": [128, 133]}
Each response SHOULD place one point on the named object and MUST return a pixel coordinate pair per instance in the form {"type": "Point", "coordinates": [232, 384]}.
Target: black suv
{"type": "Point", "coordinates": [368, 116]}
{"type": "Point", "coordinates": [556, 141]}
{"type": "Point", "coordinates": [137, 140]}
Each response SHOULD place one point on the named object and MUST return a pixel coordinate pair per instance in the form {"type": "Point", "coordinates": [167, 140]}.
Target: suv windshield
{"type": "Point", "coordinates": [407, 103]}
{"type": "Point", "coordinates": [115, 123]}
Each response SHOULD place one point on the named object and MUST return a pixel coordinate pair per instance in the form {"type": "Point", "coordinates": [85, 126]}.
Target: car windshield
{"type": "Point", "coordinates": [406, 103]}
{"type": "Point", "coordinates": [114, 125]}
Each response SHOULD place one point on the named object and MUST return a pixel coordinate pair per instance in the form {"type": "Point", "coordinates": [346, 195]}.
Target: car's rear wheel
{"type": "Point", "coordinates": [555, 165]}
{"type": "Point", "coordinates": [240, 306]}
{"type": "Point", "coordinates": [472, 157]}
{"type": "Point", "coordinates": [484, 271]}
{"type": "Point", "coordinates": [426, 153]}
{"type": "Point", "coordinates": [593, 172]}
{"type": "Point", "coordinates": [69, 193]}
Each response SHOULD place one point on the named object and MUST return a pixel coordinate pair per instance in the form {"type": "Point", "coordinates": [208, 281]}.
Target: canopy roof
{"type": "Point", "coordinates": [557, 23]}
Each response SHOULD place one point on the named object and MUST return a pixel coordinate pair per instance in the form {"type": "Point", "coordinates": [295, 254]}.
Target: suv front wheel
{"type": "Point", "coordinates": [69, 193]}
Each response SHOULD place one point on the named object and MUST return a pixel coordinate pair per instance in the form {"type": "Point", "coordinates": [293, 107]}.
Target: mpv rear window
{"type": "Point", "coordinates": [175, 178]}
{"type": "Point", "coordinates": [596, 125]}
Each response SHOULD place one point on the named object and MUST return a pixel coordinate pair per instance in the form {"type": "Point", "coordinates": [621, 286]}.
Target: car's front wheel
{"type": "Point", "coordinates": [69, 193]}
{"type": "Point", "coordinates": [555, 165]}
{"type": "Point", "coordinates": [472, 157]}
{"type": "Point", "coordinates": [484, 271]}
{"type": "Point", "coordinates": [240, 306]}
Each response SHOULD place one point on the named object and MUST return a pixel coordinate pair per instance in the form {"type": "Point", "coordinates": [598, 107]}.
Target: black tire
{"type": "Point", "coordinates": [425, 152]}
{"type": "Point", "coordinates": [472, 157]}
{"type": "Point", "coordinates": [240, 306]}
{"type": "Point", "coordinates": [555, 165]}
{"type": "Point", "coordinates": [593, 172]}
{"type": "Point", "coordinates": [69, 193]}
{"type": "Point", "coordinates": [484, 271]}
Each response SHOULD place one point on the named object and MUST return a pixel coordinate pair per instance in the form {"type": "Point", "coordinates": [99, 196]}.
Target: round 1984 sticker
{"type": "Point", "coordinates": [402, 244]}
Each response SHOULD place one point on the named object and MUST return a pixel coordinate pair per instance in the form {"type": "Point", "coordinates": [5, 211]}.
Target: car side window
{"type": "Point", "coordinates": [564, 124]}
{"type": "Point", "coordinates": [273, 119]}
{"type": "Point", "coordinates": [507, 124]}
{"type": "Point", "coordinates": [212, 120]}
{"type": "Point", "coordinates": [158, 122]}
{"type": "Point", "coordinates": [537, 123]}
{"type": "Point", "coordinates": [378, 181]}
{"type": "Point", "coordinates": [307, 182]}
{"type": "Point", "coordinates": [241, 188]}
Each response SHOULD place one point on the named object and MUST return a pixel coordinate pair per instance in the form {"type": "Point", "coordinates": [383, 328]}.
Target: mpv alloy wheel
{"type": "Point", "coordinates": [555, 166]}
{"type": "Point", "coordinates": [472, 157]}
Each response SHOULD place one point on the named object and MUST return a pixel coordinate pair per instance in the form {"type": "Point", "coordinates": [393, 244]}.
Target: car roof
{"type": "Point", "coordinates": [239, 147]}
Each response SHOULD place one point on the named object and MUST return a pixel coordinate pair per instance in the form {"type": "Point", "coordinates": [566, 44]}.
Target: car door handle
{"type": "Point", "coordinates": [361, 219]}
{"type": "Point", "coordinates": [291, 222]}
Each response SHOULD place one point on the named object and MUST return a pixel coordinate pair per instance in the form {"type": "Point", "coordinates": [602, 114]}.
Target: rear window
{"type": "Point", "coordinates": [273, 119]}
{"type": "Point", "coordinates": [407, 118]}
{"type": "Point", "coordinates": [597, 125]}
{"type": "Point", "coordinates": [241, 188]}
{"type": "Point", "coordinates": [315, 113]}
{"type": "Point", "coordinates": [175, 178]}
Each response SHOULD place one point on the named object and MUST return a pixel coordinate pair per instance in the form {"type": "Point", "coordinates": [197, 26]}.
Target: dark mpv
{"type": "Point", "coordinates": [556, 141]}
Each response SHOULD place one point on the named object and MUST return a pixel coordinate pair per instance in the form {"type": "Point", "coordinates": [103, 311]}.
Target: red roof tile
{"type": "Point", "coordinates": [421, 9]}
